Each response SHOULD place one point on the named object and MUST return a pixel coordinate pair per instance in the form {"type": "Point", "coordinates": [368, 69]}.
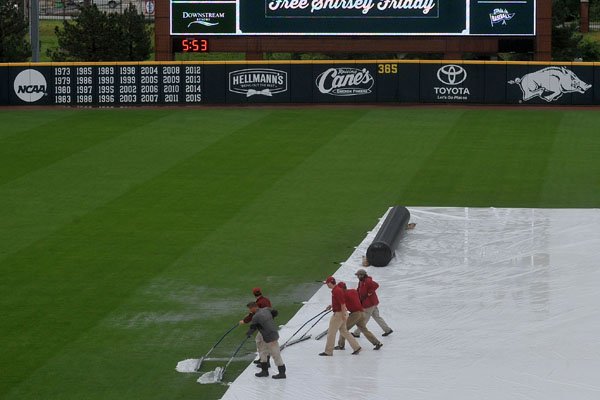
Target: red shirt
{"type": "Point", "coordinates": [366, 292]}
{"type": "Point", "coordinates": [337, 297]}
{"type": "Point", "coordinates": [352, 301]}
{"type": "Point", "coordinates": [261, 302]}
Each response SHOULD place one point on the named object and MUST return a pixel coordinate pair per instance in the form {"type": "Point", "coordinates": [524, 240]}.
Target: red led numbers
{"type": "Point", "coordinates": [194, 45]}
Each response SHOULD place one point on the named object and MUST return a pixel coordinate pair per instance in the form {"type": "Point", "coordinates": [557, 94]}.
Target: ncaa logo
{"type": "Point", "coordinates": [30, 85]}
{"type": "Point", "coordinates": [452, 74]}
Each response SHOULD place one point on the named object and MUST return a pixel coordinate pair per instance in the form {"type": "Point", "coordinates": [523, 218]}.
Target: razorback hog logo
{"type": "Point", "coordinates": [550, 84]}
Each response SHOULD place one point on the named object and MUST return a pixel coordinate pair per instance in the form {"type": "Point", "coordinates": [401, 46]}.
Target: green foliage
{"type": "Point", "coordinates": [565, 11]}
{"type": "Point", "coordinates": [589, 49]}
{"type": "Point", "coordinates": [135, 43]}
{"type": "Point", "coordinates": [13, 32]}
{"type": "Point", "coordinates": [595, 10]}
{"type": "Point", "coordinates": [99, 36]}
{"type": "Point", "coordinates": [568, 44]}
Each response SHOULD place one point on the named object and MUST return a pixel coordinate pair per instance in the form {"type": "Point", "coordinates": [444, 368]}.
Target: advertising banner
{"type": "Point", "coordinates": [256, 83]}
{"type": "Point", "coordinates": [203, 17]}
{"type": "Point", "coordinates": [452, 83]}
{"type": "Point", "coordinates": [344, 83]}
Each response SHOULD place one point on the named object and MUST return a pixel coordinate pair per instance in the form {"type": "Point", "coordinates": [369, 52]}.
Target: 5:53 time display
{"type": "Point", "coordinates": [190, 45]}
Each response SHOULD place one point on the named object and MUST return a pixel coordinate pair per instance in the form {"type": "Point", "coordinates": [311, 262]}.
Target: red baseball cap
{"type": "Point", "coordinates": [256, 291]}
{"type": "Point", "coordinates": [330, 279]}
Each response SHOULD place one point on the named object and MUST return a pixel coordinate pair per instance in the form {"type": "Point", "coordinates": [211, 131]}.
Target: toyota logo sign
{"type": "Point", "coordinates": [452, 74]}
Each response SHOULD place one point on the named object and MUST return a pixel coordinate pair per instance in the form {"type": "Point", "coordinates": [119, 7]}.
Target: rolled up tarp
{"type": "Point", "coordinates": [381, 251]}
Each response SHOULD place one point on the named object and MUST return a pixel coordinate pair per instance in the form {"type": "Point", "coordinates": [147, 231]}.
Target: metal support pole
{"type": "Point", "coordinates": [34, 30]}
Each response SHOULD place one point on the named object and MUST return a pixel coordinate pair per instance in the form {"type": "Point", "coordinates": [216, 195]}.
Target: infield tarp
{"type": "Point", "coordinates": [485, 304]}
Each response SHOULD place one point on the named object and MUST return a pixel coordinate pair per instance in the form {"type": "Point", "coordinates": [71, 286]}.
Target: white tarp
{"type": "Point", "coordinates": [485, 304]}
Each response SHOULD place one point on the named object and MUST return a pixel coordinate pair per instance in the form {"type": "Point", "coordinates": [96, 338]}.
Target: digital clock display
{"type": "Point", "coordinates": [190, 45]}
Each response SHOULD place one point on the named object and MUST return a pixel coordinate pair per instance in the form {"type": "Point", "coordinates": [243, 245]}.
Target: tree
{"type": "Point", "coordinates": [565, 11]}
{"type": "Point", "coordinates": [568, 43]}
{"type": "Point", "coordinates": [13, 32]}
{"type": "Point", "coordinates": [101, 36]}
{"type": "Point", "coordinates": [135, 36]}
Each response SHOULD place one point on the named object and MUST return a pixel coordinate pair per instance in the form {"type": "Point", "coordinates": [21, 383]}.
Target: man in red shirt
{"type": "Point", "coordinates": [262, 302]}
{"type": "Point", "coordinates": [338, 319]}
{"type": "Point", "coordinates": [356, 317]}
{"type": "Point", "coordinates": [368, 298]}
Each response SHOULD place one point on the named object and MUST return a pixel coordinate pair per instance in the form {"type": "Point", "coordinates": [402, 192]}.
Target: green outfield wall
{"type": "Point", "coordinates": [283, 82]}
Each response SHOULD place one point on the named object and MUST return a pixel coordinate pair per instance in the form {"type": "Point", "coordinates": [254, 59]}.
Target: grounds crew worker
{"type": "Point", "coordinates": [262, 302]}
{"type": "Point", "coordinates": [262, 321]}
{"type": "Point", "coordinates": [338, 319]}
{"type": "Point", "coordinates": [356, 317]}
{"type": "Point", "coordinates": [366, 292]}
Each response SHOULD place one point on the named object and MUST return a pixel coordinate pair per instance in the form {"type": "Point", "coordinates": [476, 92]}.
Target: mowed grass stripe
{"type": "Point", "coordinates": [57, 139]}
{"type": "Point", "coordinates": [46, 199]}
{"type": "Point", "coordinates": [327, 202]}
{"type": "Point", "coordinates": [489, 158]}
{"type": "Point", "coordinates": [88, 267]}
{"type": "Point", "coordinates": [573, 169]}
{"type": "Point", "coordinates": [290, 233]}
{"type": "Point", "coordinates": [13, 122]}
{"type": "Point", "coordinates": [284, 239]}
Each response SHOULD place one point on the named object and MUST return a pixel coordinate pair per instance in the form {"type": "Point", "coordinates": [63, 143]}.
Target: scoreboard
{"type": "Point", "coordinates": [353, 17]}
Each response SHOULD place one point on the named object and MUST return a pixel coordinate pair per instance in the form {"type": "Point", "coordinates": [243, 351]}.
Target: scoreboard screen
{"type": "Point", "coordinates": [353, 17]}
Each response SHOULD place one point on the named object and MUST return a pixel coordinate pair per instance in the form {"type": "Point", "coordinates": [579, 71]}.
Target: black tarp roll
{"type": "Point", "coordinates": [381, 251]}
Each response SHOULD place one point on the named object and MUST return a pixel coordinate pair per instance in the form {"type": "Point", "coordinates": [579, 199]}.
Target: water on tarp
{"type": "Point", "coordinates": [485, 303]}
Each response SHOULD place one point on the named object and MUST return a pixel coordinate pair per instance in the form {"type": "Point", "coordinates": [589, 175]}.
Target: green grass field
{"type": "Point", "coordinates": [130, 238]}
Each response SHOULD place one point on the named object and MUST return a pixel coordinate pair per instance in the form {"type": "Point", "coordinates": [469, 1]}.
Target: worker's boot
{"type": "Point", "coordinates": [264, 370]}
{"type": "Point", "coordinates": [268, 362]}
{"type": "Point", "coordinates": [281, 374]}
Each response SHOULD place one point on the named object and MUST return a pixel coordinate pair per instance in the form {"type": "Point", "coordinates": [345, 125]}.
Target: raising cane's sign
{"type": "Point", "coordinates": [345, 81]}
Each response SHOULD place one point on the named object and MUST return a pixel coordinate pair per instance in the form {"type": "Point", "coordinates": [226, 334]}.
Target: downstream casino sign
{"type": "Point", "coordinates": [353, 17]}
